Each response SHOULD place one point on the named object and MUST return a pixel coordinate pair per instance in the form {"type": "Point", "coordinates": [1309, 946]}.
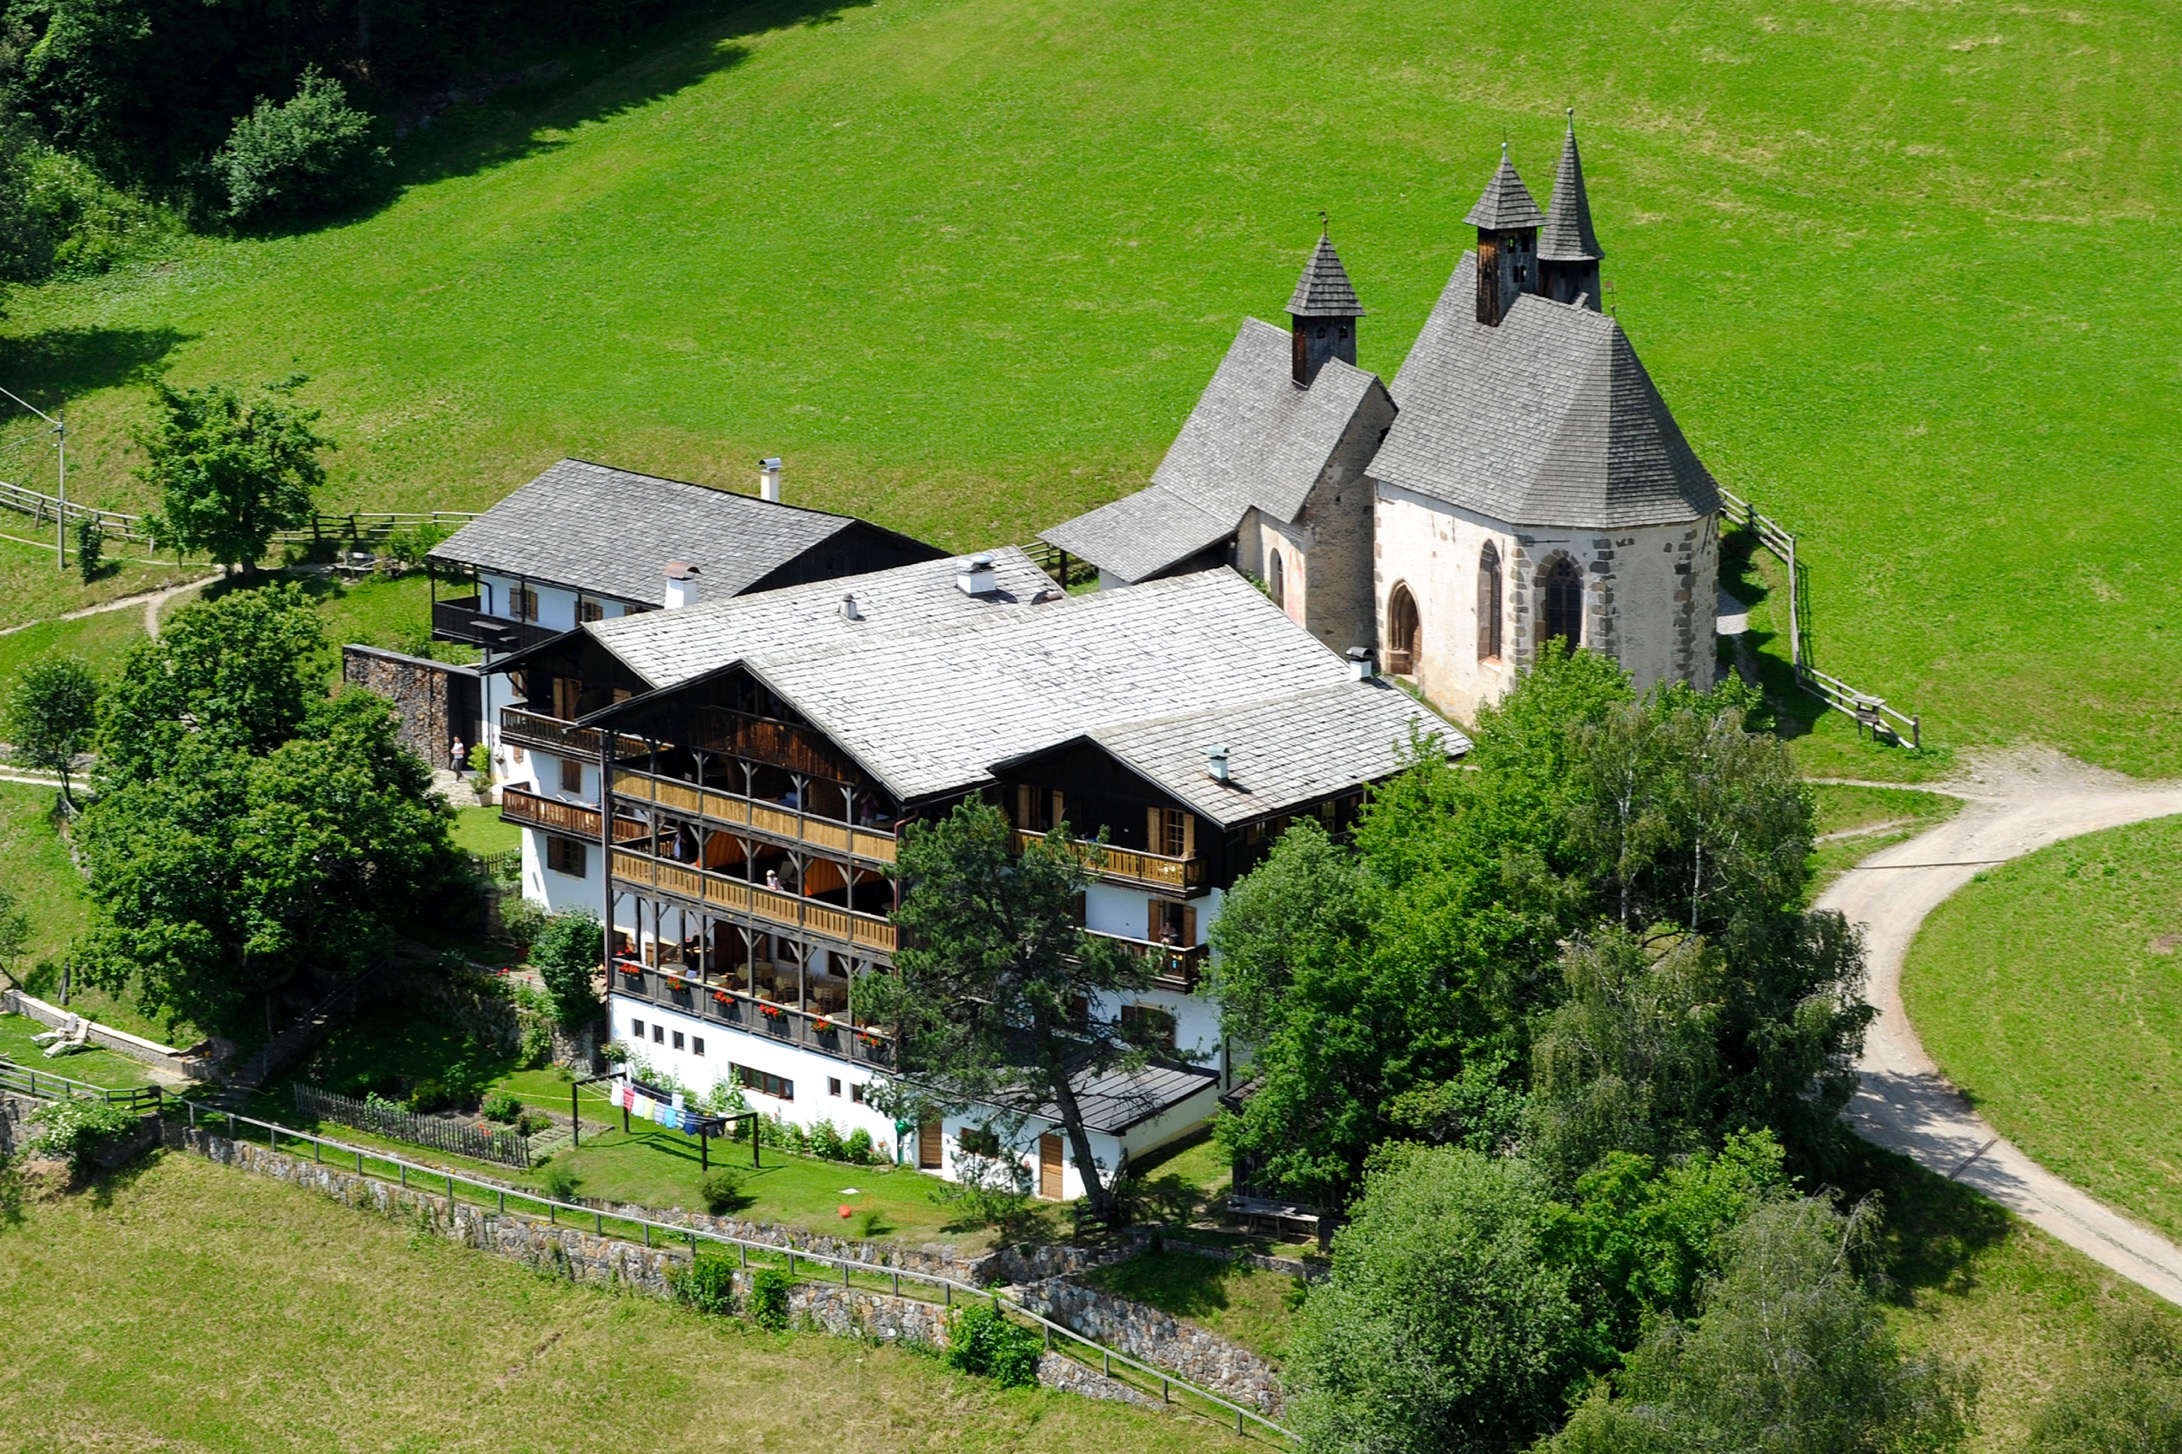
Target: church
{"type": "Point", "coordinates": [1520, 480]}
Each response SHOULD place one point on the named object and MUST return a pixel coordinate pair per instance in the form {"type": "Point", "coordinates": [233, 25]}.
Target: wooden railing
{"type": "Point", "coordinates": [772, 906]}
{"type": "Point", "coordinates": [1130, 865]}
{"type": "Point", "coordinates": [1174, 967]}
{"type": "Point", "coordinates": [361, 526]}
{"type": "Point", "coordinates": [713, 805]}
{"type": "Point", "coordinates": [519, 805]}
{"type": "Point", "coordinates": [44, 1085]}
{"type": "Point", "coordinates": [461, 620]}
{"type": "Point", "coordinates": [691, 995]}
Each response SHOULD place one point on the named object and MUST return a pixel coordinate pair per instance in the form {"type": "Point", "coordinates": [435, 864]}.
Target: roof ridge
{"type": "Point", "coordinates": [724, 490]}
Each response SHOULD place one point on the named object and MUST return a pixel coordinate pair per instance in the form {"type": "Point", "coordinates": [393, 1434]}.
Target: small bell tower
{"type": "Point", "coordinates": [1322, 312]}
{"type": "Point", "coordinates": [1507, 220]}
{"type": "Point", "coordinates": [1568, 250]}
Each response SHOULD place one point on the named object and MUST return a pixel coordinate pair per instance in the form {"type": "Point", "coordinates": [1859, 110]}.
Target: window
{"type": "Point", "coordinates": [566, 855]}
{"type": "Point", "coordinates": [567, 697]}
{"type": "Point", "coordinates": [1169, 922]}
{"type": "Point", "coordinates": [659, 1034]}
{"type": "Point", "coordinates": [1564, 603]}
{"type": "Point", "coordinates": [765, 1083]}
{"type": "Point", "coordinates": [678, 1040]}
{"type": "Point", "coordinates": [1276, 578]}
{"type": "Point", "coordinates": [522, 603]}
{"type": "Point", "coordinates": [1488, 603]}
{"type": "Point", "coordinates": [856, 1094]}
{"type": "Point", "coordinates": [980, 1141]}
{"type": "Point", "coordinates": [833, 1085]}
{"type": "Point", "coordinates": [636, 1029]}
{"type": "Point", "coordinates": [571, 776]}
{"type": "Point", "coordinates": [1404, 632]}
{"type": "Point", "coordinates": [588, 611]}
{"type": "Point", "coordinates": [1170, 831]}
{"type": "Point", "coordinates": [1158, 1024]}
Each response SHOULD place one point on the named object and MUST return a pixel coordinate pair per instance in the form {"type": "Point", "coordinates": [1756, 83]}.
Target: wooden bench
{"type": "Point", "coordinates": [1256, 1213]}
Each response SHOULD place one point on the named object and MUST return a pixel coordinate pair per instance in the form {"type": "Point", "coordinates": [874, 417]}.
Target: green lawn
{"type": "Point", "coordinates": [966, 263]}
{"type": "Point", "coordinates": [480, 830]}
{"type": "Point", "coordinates": [1853, 823]}
{"type": "Point", "coordinates": [90, 1064]}
{"type": "Point", "coordinates": [32, 590]}
{"type": "Point", "coordinates": [2050, 990]}
{"type": "Point", "coordinates": [193, 1307]}
{"type": "Point", "coordinates": [101, 641]}
{"type": "Point", "coordinates": [1242, 1304]}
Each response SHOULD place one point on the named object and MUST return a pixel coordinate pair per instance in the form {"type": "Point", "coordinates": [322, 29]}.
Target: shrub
{"type": "Point", "coordinates": [559, 1181]}
{"type": "Point", "coordinates": [90, 548]}
{"type": "Point", "coordinates": [859, 1148]}
{"type": "Point", "coordinates": [769, 1298]}
{"type": "Point", "coordinates": [73, 1130]}
{"type": "Point", "coordinates": [707, 1284]}
{"type": "Point", "coordinates": [826, 1142]}
{"type": "Point", "coordinates": [566, 953]}
{"type": "Point", "coordinates": [429, 1095]}
{"type": "Point", "coordinates": [522, 921]}
{"type": "Point", "coordinates": [981, 1340]}
{"type": "Point", "coordinates": [502, 1107]}
{"type": "Point", "coordinates": [721, 1190]}
{"type": "Point", "coordinates": [306, 155]}
{"type": "Point", "coordinates": [530, 1123]}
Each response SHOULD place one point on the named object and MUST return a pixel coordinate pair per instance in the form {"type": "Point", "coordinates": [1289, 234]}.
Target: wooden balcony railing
{"type": "Point", "coordinates": [713, 805]}
{"type": "Point", "coordinates": [518, 805]}
{"type": "Point", "coordinates": [772, 906]}
{"type": "Point", "coordinates": [1133, 866]}
{"type": "Point", "coordinates": [690, 995]}
{"type": "Point", "coordinates": [1173, 967]}
{"type": "Point", "coordinates": [461, 620]}
{"type": "Point", "coordinates": [551, 734]}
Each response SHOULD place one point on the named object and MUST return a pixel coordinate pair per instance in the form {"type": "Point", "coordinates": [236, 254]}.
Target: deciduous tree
{"type": "Point", "coordinates": [567, 954]}
{"type": "Point", "coordinates": [51, 715]}
{"type": "Point", "coordinates": [231, 469]}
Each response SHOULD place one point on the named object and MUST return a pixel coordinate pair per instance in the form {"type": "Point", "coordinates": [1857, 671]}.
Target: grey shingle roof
{"type": "Point", "coordinates": [611, 532]}
{"type": "Point", "coordinates": [1567, 236]}
{"type": "Point", "coordinates": [1548, 419]}
{"type": "Point", "coordinates": [1506, 203]}
{"type": "Point", "coordinates": [1283, 751]}
{"type": "Point", "coordinates": [1254, 439]}
{"type": "Point", "coordinates": [931, 706]}
{"type": "Point", "coordinates": [667, 647]}
{"type": "Point", "coordinates": [1115, 1100]}
{"type": "Point", "coordinates": [1324, 290]}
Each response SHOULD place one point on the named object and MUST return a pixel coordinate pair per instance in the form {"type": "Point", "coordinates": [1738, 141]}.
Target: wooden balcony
{"type": "Point", "coordinates": [461, 620]}
{"type": "Point", "coordinates": [755, 902]}
{"type": "Point", "coordinates": [564, 739]}
{"type": "Point", "coordinates": [1173, 967]}
{"type": "Point", "coordinates": [518, 805]}
{"type": "Point", "coordinates": [736, 811]}
{"type": "Point", "coordinates": [689, 995]}
{"type": "Point", "coordinates": [1132, 866]}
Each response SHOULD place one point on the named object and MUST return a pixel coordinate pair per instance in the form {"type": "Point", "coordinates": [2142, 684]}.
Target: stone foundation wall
{"type": "Point", "coordinates": [438, 702]}
{"type": "Point", "coordinates": [1146, 1333]}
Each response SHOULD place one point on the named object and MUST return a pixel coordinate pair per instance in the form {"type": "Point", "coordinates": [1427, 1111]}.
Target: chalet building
{"type": "Point", "coordinates": [587, 542]}
{"type": "Point", "coordinates": [1521, 480]}
{"type": "Point", "coordinates": [728, 782]}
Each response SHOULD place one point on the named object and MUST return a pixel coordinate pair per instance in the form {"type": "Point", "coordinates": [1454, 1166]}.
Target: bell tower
{"type": "Point", "coordinates": [1322, 313]}
{"type": "Point", "coordinates": [1507, 220]}
{"type": "Point", "coordinates": [1568, 250]}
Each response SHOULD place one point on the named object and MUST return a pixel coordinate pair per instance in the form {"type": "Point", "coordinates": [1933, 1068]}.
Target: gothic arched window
{"type": "Point", "coordinates": [1276, 579]}
{"type": "Point", "coordinates": [1488, 603]}
{"type": "Point", "coordinates": [1564, 603]}
{"type": "Point", "coordinates": [1404, 632]}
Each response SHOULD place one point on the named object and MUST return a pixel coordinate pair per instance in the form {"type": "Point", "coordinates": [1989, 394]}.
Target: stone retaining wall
{"type": "Point", "coordinates": [1146, 1333]}
{"type": "Point", "coordinates": [14, 1127]}
{"type": "Point", "coordinates": [1309, 1269]}
{"type": "Point", "coordinates": [188, 1064]}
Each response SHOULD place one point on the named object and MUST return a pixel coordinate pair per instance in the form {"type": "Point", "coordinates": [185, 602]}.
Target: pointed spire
{"type": "Point", "coordinates": [1507, 203]}
{"type": "Point", "coordinates": [1567, 235]}
{"type": "Point", "coordinates": [1324, 290]}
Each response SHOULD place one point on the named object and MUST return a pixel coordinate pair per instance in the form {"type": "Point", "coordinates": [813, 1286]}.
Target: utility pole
{"type": "Point", "coordinates": [60, 436]}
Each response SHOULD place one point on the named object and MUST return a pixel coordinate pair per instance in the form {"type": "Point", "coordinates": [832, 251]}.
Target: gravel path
{"type": "Point", "coordinates": [2015, 805]}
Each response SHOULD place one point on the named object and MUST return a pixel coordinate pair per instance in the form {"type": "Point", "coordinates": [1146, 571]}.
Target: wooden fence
{"type": "Point", "coordinates": [502, 1145]}
{"type": "Point", "coordinates": [1868, 710]}
{"type": "Point", "coordinates": [358, 527]}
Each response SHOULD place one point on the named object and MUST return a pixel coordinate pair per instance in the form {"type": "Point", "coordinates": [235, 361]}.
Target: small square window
{"type": "Point", "coordinates": [571, 775]}
{"type": "Point", "coordinates": [636, 1029]}
{"type": "Point", "coordinates": [833, 1085]}
{"type": "Point", "coordinates": [659, 1034]}
{"type": "Point", "coordinates": [696, 1044]}
{"type": "Point", "coordinates": [856, 1094]}
{"type": "Point", "coordinates": [678, 1039]}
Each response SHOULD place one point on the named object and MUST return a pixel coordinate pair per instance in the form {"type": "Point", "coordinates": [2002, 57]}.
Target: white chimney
{"type": "Point", "coordinates": [1216, 762]}
{"type": "Point", "coordinates": [1361, 666]}
{"type": "Point", "coordinates": [681, 585]}
{"type": "Point", "coordinates": [769, 480]}
{"type": "Point", "coordinates": [977, 577]}
{"type": "Point", "coordinates": [849, 609]}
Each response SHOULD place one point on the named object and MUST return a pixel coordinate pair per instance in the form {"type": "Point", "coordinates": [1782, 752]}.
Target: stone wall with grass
{"type": "Point", "coordinates": [1154, 1337]}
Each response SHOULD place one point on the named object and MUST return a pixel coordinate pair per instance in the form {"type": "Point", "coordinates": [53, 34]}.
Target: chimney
{"type": "Point", "coordinates": [977, 577]}
{"type": "Point", "coordinates": [1361, 666]}
{"type": "Point", "coordinates": [681, 585]}
{"type": "Point", "coordinates": [769, 480]}
{"type": "Point", "coordinates": [849, 609]}
{"type": "Point", "coordinates": [1216, 762]}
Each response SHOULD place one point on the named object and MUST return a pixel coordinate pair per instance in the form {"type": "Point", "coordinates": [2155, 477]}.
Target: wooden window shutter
{"type": "Point", "coordinates": [565, 690]}
{"type": "Point", "coordinates": [1189, 835]}
{"type": "Point", "coordinates": [1153, 837]}
{"type": "Point", "coordinates": [1059, 809]}
{"type": "Point", "coordinates": [1022, 806]}
{"type": "Point", "coordinates": [1151, 921]}
{"type": "Point", "coordinates": [1189, 925]}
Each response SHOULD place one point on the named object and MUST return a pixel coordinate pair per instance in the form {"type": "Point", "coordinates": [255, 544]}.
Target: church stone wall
{"type": "Point", "coordinates": [1327, 551]}
{"type": "Point", "coordinates": [1434, 550]}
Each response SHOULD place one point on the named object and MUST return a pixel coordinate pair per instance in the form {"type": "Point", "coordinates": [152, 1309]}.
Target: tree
{"type": "Point", "coordinates": [986, 998]}
{"type": "Point", "coordinates": [241, 671]}
{"type": "Point", "coordinates": [227, 875]}
{"type": "Point", "coordinates": [309, 154]}
{"type": "Point", "coordinates": [52, 714]}
{"type": "Point", "coordinates": [1790, 1354]}
{"type": "Point", "coordinates": [1442, 1327]}
{"type": "Point", "coordinates": [567, 954]}
{"type": "Point", "coordinates": [231, 470]}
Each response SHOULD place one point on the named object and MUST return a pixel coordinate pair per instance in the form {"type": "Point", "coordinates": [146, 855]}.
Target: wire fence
{"type": "Point", "coordinates": [459, 1190]}
{"type": "Point", "coordinates": [502, 1145]}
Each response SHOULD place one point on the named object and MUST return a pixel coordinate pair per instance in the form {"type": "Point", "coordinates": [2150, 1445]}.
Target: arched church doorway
{"type": "Point", "coordinates": [1564, 603]}
{"type": "Point", "coordinates": [1404, 632]}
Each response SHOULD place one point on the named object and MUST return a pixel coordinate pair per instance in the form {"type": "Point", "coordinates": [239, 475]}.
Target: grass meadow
{"type": "Point", "coordinates": [1906, 273]}
{"type": "Point", "coordinates": [192, 1307]}
{"type": "Point", "coordinates": [2050, 991]}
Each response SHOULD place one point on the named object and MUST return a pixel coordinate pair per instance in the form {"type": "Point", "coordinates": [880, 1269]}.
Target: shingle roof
{"type": "Point", "coordinates": [1255, 439]}
{"type": "Point", "coordinates": [1548, 419]}
{"type": "Point", "coordinates": [1114, 1100]}
{"type": "Point", "coordinates": [1567, 236]}
{"type": "Point", "coordinates": [1506, 203]}
{"type": "Point", "coordinates": [1324, 290]}
{"type": "Point", "coordinates": [932, 706]}
{"type": "Point", "coordinates": [611, 532]}
{"type": "Point", "coordinates": [667, 647]}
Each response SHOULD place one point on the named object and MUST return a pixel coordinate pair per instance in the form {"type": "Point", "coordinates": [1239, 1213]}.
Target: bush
{"type": "Point", "coordinates": [73, 1130]}
{"type": "Point", "coordinates": [90, 548]}
{"type": "Point", "coordinates": [559, 1181]}
{"type": "Point", "coordinates": [92, 225]}
{"type": "Point", "coordinates": [859, 1148]}
{"type": "Point", "coordinates": [307, 155]}
{"type": "Point", "coordinates": [429, 1095]}
{"type": "Point", "coordinates": [981, 1340]}
{"type": "Point", "coordinates": [530, 1123]}
{"type": "Point", "coordinates": [502, 1107]}
{"type": "Point", "coordinates": [721, 1190]}
{"type": "Point", "coordinates": [522, 921]}
{"type": "Point", "coordinates": [566, 954]}
{"type": "Point", "coordinates": [707, 1284]}
{"type": "Point", "coordinates": [827, 1143]}
{"type": "Point", "coordinates": [769, 1298]}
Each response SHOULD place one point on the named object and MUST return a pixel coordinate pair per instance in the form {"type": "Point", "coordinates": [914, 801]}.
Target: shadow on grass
{"type": "Point", "coordinates": [1931, 1229]}
{"type": "Point", "coordinates": [51, 367]}
{"type": "Point", "coordinates": [1174, 1282]}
